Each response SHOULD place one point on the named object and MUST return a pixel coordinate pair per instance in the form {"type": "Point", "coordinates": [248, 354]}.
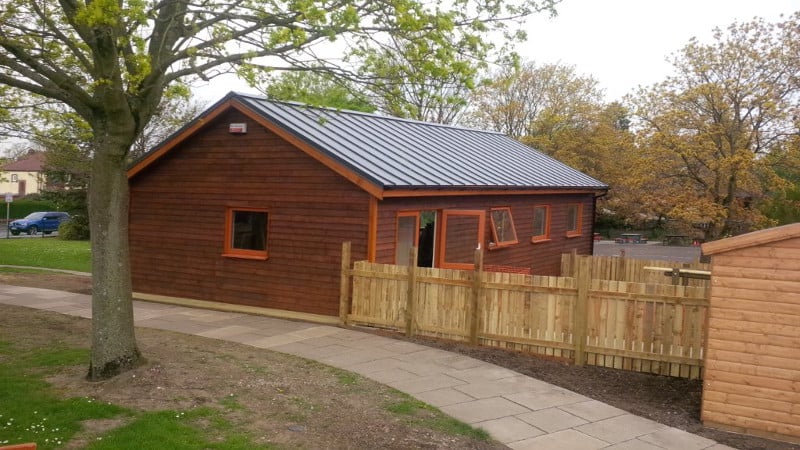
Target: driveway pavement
{"type": "Point", "coordinates": [521, 412]}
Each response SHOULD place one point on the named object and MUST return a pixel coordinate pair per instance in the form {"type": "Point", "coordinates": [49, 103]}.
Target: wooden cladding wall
{"type": "Point", "coordinates": [543, 258]}
{"type": "Point", "coordinates": [653, 328]}
{"type": "Point", "coordinates": [753, 363]}
{"type": "Point", "coordinates": [177, 221]}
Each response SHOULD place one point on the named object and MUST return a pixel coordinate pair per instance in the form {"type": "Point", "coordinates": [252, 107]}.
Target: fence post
{"type": "Point", "coordinates": [477, 287]}
{"type": "Point", "coordinates": [344, 286]}
{"type": "Point", "coordinates": [583, 279]}
{"type": "Point", "coordinates": [411, 293]}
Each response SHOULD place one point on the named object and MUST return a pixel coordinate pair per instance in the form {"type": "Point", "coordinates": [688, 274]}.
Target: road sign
{"type": "Point", "coordinates": [9, 198]}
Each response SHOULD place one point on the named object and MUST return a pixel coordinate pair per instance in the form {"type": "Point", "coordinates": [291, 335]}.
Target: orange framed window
{"type": "Point", "coordinates": [541, 223]}
{"type": "Point", "coordinates": [407, 236]}
{"type": "Point", "coordinates": [574, 219]}
{"type": "Point", "coordinates": [246, 233]}
{"type": "Point", "coordinates": [503, 231]}
{"type": "Point", "coordinates": [462, 233]}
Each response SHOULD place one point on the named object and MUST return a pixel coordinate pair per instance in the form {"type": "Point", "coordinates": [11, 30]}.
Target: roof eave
{"type": "Point", "coordinates": [760, 237]}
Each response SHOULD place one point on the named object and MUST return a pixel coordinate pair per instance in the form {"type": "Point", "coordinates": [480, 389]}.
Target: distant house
{"type": "Point", "coordinates": [23, 176]}
{"type": "Point", "coordinates": [250, 203]}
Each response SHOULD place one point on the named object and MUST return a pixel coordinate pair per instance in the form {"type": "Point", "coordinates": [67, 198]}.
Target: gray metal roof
{"type": "Point", "coordinates": [404, 154]}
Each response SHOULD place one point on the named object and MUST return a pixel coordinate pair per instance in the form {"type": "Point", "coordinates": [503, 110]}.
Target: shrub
{"type": "Point", "coordinates": [75, 229]}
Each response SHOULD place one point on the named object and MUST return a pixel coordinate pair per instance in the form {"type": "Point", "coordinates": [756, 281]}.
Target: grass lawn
{"type": "Point", "coordinates": [195, 393]}
{"type": "Point", "coordinates": [46, 252]}
{"type": "Point", "coordinates": [33, 412]}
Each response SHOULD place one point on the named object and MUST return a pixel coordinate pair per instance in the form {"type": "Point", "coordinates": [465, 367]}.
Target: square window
{"type": "Point", "coordinates": [14, 178]}
{"type": "Point", "coordinates": [541, 223]}
{"type": "Point", "coordinates": [246, 233]}
{"type": "Point", "coordinates": [574, 212]}
{"type": "Point", "coordinates": [503, 227]}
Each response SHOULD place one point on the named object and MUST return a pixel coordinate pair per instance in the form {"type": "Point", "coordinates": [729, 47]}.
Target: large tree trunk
{"type": "Point", "coordinates": [114, 347]}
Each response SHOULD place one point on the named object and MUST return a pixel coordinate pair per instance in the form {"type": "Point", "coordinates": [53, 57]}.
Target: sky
{"type": "Point", "coordinates": [625, 43]}
{"type": "Point", "coordinates": [621, 43]}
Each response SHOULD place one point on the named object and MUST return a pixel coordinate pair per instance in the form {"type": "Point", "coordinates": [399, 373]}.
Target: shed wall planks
{"type": "Point", "coordinates": [752, 368]}
{"type": "Point", "coordinates": [177, 221]}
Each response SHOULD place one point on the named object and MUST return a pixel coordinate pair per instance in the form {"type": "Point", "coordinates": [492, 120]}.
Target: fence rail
{"type": "Point", "coordinates": [654, 328]}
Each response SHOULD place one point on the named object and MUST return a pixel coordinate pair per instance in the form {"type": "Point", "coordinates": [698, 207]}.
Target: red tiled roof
{"type": "Point", "coordinates": [31, 163]}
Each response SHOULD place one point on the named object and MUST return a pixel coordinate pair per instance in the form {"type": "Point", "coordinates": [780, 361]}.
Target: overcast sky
{"type": "Point", "coordinates": [621, 43]}
{"type": "Point", "coordinates": [624, 43]}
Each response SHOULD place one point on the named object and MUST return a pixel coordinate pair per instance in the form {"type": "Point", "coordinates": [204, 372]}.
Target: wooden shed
{"type": "Point", "coordinates": [752, 363]}
{"type": "Point", "coordinates": [250, 203]}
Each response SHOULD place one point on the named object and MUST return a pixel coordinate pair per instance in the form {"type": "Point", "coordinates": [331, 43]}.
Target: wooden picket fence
{"type": "Point", "coordinates": [617, 268]}
{"type": "Point", "coordinates": [653, 328]}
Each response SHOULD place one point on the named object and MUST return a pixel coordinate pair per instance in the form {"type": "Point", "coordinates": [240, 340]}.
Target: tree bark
{"type": "Point", "coordinates": [114, 348]}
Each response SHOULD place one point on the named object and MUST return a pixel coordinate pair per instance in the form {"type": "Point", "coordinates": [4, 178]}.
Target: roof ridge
{"type": "Point", "coordinates": [362, 113]}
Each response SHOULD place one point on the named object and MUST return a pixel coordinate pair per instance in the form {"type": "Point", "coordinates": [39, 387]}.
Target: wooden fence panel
{"type": "Point", "coordinates": [655, 328]}
{"type": "Point", "coordinates": [632, 270]}
{"type": "Point", "coordinates": [648, 328]}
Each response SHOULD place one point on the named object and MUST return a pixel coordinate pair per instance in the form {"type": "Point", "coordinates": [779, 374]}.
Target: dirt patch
{"type": "Point", "coordinates": [208, 370]}
{"type": "Point", "coordinates": [277, 399]}
{"type": "Point", "coordinates": [58, 281]}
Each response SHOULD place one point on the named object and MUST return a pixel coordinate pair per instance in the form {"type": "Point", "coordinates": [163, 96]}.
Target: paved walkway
{"type": "Point", "coordinates": [522, 412]}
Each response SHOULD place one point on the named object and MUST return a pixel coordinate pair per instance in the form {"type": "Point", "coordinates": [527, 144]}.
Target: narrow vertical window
{"type": "Point", "coordinates": [503, 230]}
{"type": "Point", "coordinates": [541, 223]}
{"type": "Point", "coordinates": [407, 236]}
{"type": "Point", "coordinates": [246, 233]}
{"type": "Point", "coordinates": [574, 212]}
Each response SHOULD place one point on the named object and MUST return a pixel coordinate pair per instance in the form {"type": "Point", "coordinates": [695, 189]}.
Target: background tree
{"type": "Point", "coordinates": [405, 79]}
{"type": "Point", "coordinates": [712, 124]}
{"type": "Point", "coordinates": [317, 89]}
{"type": "Point", "coordinates": [111, 62]}
{"type": "Point", "coordinates": [535, 102]}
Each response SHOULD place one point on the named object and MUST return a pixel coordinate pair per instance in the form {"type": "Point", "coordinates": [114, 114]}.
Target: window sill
{"type": "Point", "coordinates": [503, 245]}
{"type": "Point", "coordinates": [574, 235]}
{"type": "Point", "coordinates": [540, 240]}
{"type": "Point", "coordinates": [262, 257]}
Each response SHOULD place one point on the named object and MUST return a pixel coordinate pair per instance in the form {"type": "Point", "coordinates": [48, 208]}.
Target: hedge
{"type": "Point", "coordinates": [23, 207]}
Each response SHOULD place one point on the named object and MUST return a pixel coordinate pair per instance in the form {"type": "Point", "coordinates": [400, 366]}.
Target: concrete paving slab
{"type": "Point", "coordinates": [592, 410]}
{"type": "Point", "coordinates": [552, 419]}
{"type": "Point", "coordinates": [483, 410]}
{"type": "Point", "coordinates": [424, 354]}
{"type": "Point", "coordinates": [424, 384]}
{"type": "Point", "coordinates": [562, 440]}
{"type": "Point", "coordinates": [354, 357]}
{"type": "Point", "coordinates": [675, 439]}
{"type": "Point", "coordinates": [620, 428]}
{"type": "Point", "coordinates": [378, 365]}
{"type": "Point", "coordinates": [443, 397]}
{"type": "Point", "coordinates": [316, 331]}
{"type": "Point", "coordinates": [504, 386]}
{"type": "Point", "coordinates": [483, 372]}
{"type": "Point", "coordinates": [509, 429]}
{"type": "Point", "coordinates": [274, 341]}
{"type": "Point", "coordinates": [228, 332]}
{"type": "Point", "coordinates": [391, 376]}
{"type": "Point", "coordinates": [543, 400]}
{"type": "Point", "coordinates": [633, 444]}
{"type": "Point", "coordinates": [401, 347]}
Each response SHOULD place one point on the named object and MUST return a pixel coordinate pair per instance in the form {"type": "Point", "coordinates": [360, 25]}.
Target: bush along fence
{"type": "Point", "coordinates": [652, 328]}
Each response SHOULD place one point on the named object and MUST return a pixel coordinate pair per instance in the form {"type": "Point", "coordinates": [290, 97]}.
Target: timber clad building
{"type": "Point", "coordinates": [250, 203]}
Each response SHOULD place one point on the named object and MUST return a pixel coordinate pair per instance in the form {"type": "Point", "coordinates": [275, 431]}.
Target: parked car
{"type": "Point", "coordinates": [44, 221]}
